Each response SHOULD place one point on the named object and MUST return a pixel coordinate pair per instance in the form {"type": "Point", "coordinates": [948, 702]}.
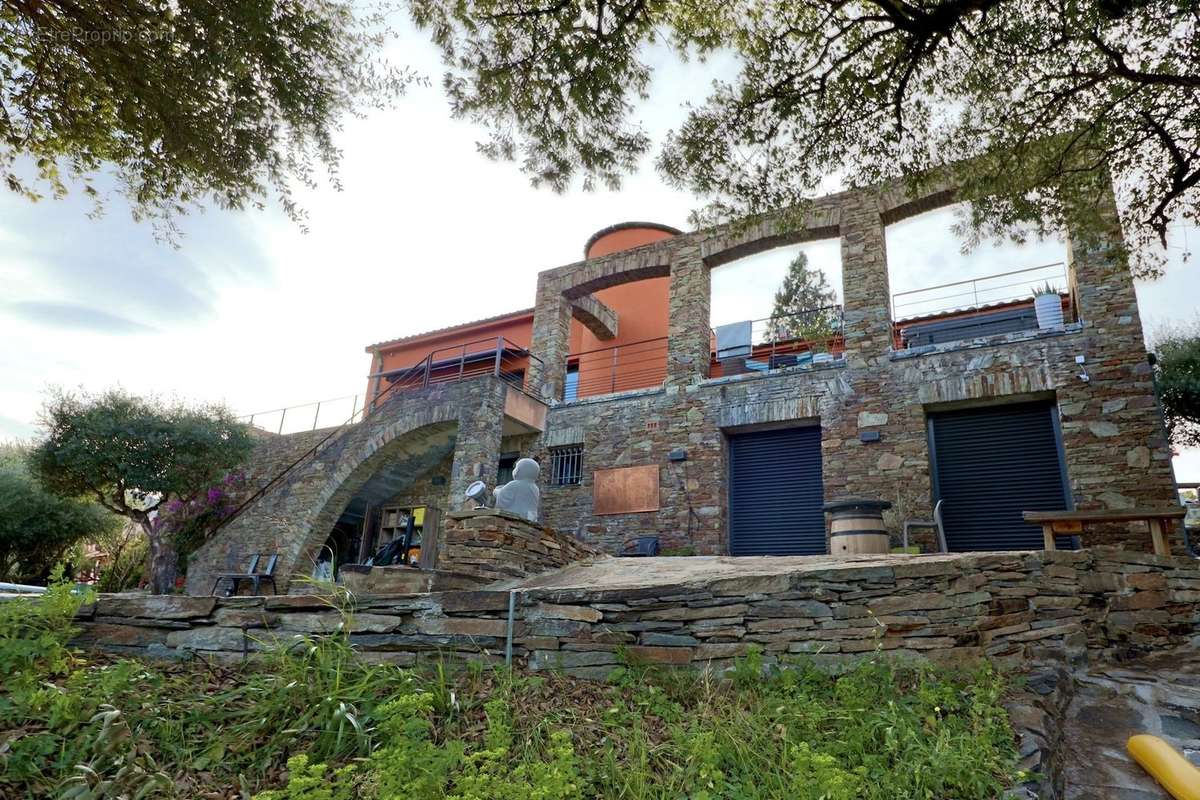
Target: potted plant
{"type": "Point", "coordinates": [1048, 305]}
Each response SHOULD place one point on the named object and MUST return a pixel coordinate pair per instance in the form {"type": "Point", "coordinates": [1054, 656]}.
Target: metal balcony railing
{"type": "Point", "coordinates": [987, 306]}
{"type": "Point", "coordinates": [621, 368]}
{"type": "Point", "coordinates": [504, 360]}
{"type": "Point", "coordinates": [784, 340]}
{"type": "Point", "coordinates": [307, 416]}
{"type": "Point", "coordinates": [494, 356]}
{"type": "Point", "coordinates": [991, 290]}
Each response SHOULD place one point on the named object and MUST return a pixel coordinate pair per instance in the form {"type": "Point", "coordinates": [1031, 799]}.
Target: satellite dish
{"type": "Point", "coordinates": [479, 494]}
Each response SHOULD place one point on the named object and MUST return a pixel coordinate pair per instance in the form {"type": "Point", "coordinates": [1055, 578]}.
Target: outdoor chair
{"type": "Point", "coordinates": [253, 574]}
{"type": "Point", "coordinates": [935, 523]}
{"type": "Point", "coordinates": [642, 546]}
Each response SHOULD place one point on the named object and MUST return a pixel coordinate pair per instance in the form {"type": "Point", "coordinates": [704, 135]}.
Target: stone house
{"type": "Point", "coordinates": [647, 422]}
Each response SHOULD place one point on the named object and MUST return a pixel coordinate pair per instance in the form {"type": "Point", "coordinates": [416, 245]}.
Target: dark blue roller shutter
{"type": "Point", "coordinates": [775, 493]}
{"type": "Point", "coordinates": [992, 464]}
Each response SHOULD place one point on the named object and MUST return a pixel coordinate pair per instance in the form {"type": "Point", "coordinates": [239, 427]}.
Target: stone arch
{"type": "Point", "coordinates": [401, 446]}
{"type": "Point", "coordinates": [736, 241]}
{"type": "Point", "coordinates": [295, 517]}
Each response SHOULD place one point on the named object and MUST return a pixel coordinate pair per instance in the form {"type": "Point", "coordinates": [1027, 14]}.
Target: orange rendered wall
{"type": "Point", "coordinates": [642, 315]}
{"type": "Point", "coordinates": [516, 329]}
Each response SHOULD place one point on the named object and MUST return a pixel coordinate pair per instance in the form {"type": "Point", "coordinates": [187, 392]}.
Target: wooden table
{"type": "Point", "coordinates": [1060, 522]}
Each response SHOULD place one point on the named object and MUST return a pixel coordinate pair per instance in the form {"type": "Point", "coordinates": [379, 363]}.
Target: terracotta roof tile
{"type": "Point", "coordinates": [438, 331]}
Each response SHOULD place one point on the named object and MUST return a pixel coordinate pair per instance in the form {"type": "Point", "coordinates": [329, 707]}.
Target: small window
{"type": "Point", "coordinates": [571, 387]}
{"type": "Point", "coordinates": [566, 465]}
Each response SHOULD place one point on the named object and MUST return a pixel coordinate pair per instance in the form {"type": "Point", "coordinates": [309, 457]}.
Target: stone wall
{"type": "Point", "coordinates": [1116, 454]}
{"type": "Point", "coordinates": [1013, 608]}
{"type": "Point", "coordinates": [1112, 440]}
{"type": "Point", "coordinates": [408, 433]}
{"type": "Point", "coordinates": [495, 545]}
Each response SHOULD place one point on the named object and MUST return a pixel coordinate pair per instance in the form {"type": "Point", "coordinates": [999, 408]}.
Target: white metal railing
{"type": "Point", "coordinates": [326, 413]}
{"type": "Point", "coordinates": [990, 290]}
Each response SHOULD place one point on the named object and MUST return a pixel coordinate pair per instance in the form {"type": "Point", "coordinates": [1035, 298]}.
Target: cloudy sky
{"type": "Point", "coordinates": [254, 313]}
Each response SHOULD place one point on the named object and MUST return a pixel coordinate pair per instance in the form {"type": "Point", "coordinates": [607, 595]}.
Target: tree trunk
{"type": "Point", "coordinates": [164, 561]}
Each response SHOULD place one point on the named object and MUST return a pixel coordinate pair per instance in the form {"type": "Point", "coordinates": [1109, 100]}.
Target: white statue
{"type": "Point", "coordinates": [521, 496]}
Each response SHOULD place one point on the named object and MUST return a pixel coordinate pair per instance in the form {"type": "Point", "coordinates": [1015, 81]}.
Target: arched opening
{"type": "Point", "coordinates": [777, 308]}
{"type": "Point", "coordinates": [943, 293]}
{"type": "Point", "coordinates": [375, 503]}
{"type": "Point", "coordinates": [636, 358]}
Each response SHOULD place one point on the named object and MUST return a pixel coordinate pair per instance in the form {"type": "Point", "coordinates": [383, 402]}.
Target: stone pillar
{"type": "Point", "coordinates": [1098, 271]}
{"type": "Point", "coordinates": [1116, 451]}
{"type": "Point", "coordinates": [866, 296]}
{"type": "Point", "coordinates": [688, 331]}
{"type": "Point", "coordinates": [551, 339]}
{"type": "Point", "coordinates": [477, 444]}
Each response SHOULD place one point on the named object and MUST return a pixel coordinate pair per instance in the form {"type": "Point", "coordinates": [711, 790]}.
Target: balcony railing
{"type": "Point", "coordinates": [327, 413]}
{"type": "Point", "coordinates": [991, 290]}
{"type": "Point", "coordinates": [786, 340]}
{"type": "Point", "coordinates": [496, 356]}
{"type": "Point", "coordinates": [994, 304]}
{"type": "Point", "coordinates": [621, 368]}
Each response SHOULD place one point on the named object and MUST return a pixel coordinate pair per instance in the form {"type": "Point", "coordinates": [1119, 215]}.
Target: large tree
{"type": "Point", "coordinates": [1046, 97]}
{"type": "Point", "coordinates": [1177, 361]}
{"type": "Point", "coordinates": [804, 305]}
{"type": "Point", "coordinates": [38, 527]}
{"type": "Point", "coordinates": [185, 101]}
{"type": "Point", "coordinates": [133, 455]}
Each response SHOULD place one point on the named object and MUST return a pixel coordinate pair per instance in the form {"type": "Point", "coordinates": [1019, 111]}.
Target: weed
{"type": "Point", "coordinates": [309, 720]}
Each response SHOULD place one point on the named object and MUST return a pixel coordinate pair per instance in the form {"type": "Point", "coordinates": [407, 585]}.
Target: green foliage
{"type": "Point", "coordinates": [124, 552]}
{"type": "Point", "coordinates": [1043, 98]}
{"type": "Point", "coordinates": [803, 305]}
{"type": "Point", "coordinates": [184, 101]}
{"type": "Point", "coordinates": [1178, 365]}
{"type": "Point", "coordinates": [38, 528]}
{"type": "Point", "coordinates": [312, 722]}
{"type": "Point", "coordinates": [40, 719]}
{"type": "Point", "coordinates": [133, 454]}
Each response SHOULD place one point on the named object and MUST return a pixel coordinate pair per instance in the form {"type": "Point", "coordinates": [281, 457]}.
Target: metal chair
{"type": "Point", "coordinates": [253, 574]}
{"type": "Point", "coordinates": [935, 523]}
{"type": "Point", "coordinates": [642, 546]}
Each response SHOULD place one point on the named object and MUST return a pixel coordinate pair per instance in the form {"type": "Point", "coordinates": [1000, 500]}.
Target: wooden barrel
{"type": "Point", "coordinates": [856, 527]}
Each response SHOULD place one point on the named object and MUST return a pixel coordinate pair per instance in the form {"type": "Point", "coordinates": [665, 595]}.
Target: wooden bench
{"type": "Point", "coordinates": [1060, 522]}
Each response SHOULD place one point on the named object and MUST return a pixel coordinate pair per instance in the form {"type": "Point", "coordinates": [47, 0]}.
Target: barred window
{"type": "Point", "coordinates": [566, 465]}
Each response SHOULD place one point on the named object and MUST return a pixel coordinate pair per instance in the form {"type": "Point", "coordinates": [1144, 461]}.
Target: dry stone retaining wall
{"type": "Point", "coordinates": [495, 545]}
{"type": "Point", "coordinates": [1013, 608]}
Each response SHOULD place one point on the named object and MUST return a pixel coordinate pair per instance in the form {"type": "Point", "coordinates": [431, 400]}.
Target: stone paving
{"type": "Point", "coordinates": [1159, 694]}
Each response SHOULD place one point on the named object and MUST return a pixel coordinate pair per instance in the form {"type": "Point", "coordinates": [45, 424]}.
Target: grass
{"type": "Point", "coordinates": [315, 723]}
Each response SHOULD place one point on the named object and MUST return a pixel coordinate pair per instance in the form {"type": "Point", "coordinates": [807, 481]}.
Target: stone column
{"type": "Point", "coordinates": [1098, 270]}
{"type": "Point", "coordinates": [477, 444]}
{"type": "Point", "coordinates": [866, 296]}
{"type": "Point", "coordinates": [1116, 451]}
{"type": "Point", "coordinates": [688, 331]}
{"type": "Point", "coordinates": [551, 339]}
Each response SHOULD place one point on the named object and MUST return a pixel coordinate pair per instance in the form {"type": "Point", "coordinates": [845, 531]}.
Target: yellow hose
{"type": "Point", "coordinates": [1166, 765]}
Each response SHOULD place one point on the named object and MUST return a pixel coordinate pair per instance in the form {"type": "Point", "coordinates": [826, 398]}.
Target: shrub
{"type": "Point", "coordinates": [38, 528]}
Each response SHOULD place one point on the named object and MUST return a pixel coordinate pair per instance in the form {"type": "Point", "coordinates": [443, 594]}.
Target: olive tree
{"type": "Point", "coordinates": [134, 454]}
